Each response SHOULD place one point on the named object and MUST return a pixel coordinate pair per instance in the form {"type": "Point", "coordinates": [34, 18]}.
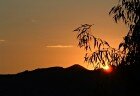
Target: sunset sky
{"type": "Point", "coordinates": [39, 33]}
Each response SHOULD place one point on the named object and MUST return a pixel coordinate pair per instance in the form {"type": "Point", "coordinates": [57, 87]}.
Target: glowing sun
{"type": "Point", "coordinates": [107, 68]}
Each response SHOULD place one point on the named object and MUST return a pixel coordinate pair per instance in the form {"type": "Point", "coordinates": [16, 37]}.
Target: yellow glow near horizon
{"type": "Point", "coordinates": [106, 67]}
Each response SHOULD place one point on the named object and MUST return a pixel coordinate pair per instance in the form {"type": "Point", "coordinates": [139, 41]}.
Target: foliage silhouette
{"type": "Point", "coordinates": [129, 12]}
{"type": "Point", "coordinates": [99, 52]}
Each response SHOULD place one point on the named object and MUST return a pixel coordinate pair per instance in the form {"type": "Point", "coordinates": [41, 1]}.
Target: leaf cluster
{"type": "Point", "coordinates": [126, 10]}
{"type": "Point", "coordinates": [129, 12]}
{"type": "Point", "coordinates": [98, 51]}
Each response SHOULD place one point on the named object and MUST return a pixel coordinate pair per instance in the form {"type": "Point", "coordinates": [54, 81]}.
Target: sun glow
{"type": "Point", "coordinates": [107, 68]}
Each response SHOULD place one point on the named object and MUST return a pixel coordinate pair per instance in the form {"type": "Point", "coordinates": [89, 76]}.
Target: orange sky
{"type": "Point", "coordinates": [38, 33]}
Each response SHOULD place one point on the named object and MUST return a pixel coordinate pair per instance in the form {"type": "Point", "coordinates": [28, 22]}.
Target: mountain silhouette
{"type": "Point", "coordinates": [76, 66]}
{"type": "Point", "coordinates": [72, 81]}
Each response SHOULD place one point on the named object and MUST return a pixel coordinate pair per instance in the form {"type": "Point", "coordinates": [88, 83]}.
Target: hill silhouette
{"type": "Point", "coordinates": [71, 81]}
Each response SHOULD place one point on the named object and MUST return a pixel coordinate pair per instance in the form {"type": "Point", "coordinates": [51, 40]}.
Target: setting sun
{"type": "Point", "coordinates": [107, 68]}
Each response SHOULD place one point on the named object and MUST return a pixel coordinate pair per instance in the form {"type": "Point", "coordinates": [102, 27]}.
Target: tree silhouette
{"type": "Point", "coordinates": [129, 12]}
{"type": "Point", "coordinates": [99, 52]}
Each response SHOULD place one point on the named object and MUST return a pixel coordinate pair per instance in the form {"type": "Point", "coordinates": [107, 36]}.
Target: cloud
{"type": "Point", "coordinates": [60, 46]}
{"type": "Point", "coordinates": [33, 20]}
{"type": "Point", "coordinates": [2, 40]}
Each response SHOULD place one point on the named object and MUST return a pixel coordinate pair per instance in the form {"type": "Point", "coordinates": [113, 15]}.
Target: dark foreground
{"type": "Point", "coordinates": [72, 81]}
